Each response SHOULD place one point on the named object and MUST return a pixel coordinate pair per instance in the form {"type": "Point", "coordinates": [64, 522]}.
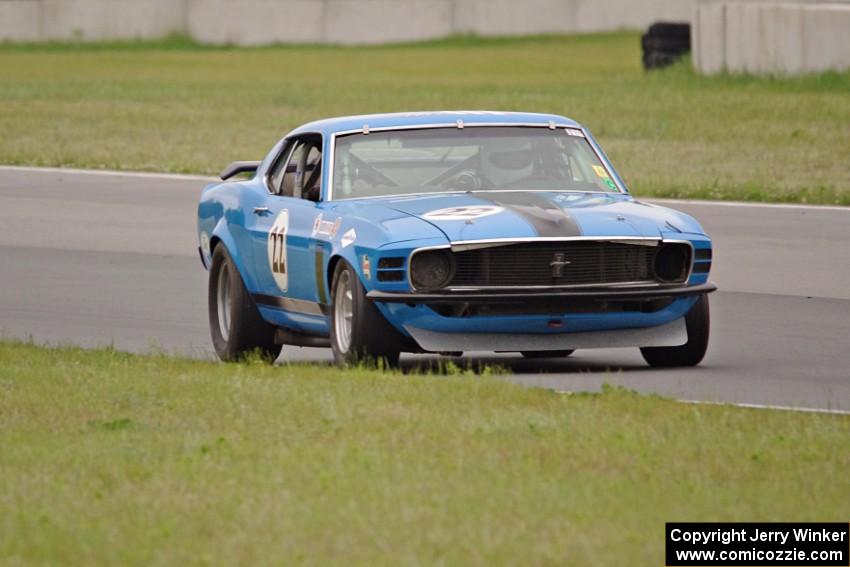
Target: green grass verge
{"type": "Point", "coordinates": [179, 107]}
{"type": "Point", "coordinates": [113, 459]}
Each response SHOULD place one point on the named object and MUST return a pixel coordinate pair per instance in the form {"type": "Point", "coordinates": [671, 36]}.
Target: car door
{"type": "Point", "coordinates": [285, 250]}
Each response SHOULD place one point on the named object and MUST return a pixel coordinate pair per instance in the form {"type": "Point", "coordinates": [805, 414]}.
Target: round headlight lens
{"type": "Point", "coordinates": [431, 269]}
{"type": "Point", "coordinates": [671, 262]}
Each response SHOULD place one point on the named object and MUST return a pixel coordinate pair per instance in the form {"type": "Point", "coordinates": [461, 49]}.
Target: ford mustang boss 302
{"type": "Point", "coordinates": [448, 232]}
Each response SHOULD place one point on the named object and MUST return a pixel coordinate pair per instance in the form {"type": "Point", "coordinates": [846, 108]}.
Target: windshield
{"type": "Point", "coordinates": [466, 159]}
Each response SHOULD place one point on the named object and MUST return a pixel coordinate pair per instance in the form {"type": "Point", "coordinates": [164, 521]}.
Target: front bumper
{"type": "Point", "coordinates": [547, 319]}
{"type": "Point", "coordinates": [548, 295]}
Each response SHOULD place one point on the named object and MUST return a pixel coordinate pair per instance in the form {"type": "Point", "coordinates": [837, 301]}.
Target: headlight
{"type": "Point", "coordinates": [431, 269]}
{"type": "Point", "coordinates": [672, 262]}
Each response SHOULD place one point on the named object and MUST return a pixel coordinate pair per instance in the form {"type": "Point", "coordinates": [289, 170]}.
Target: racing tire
{"type": "Point", "coordinates": [236, 327]}
{"type": "Point", "coordinates": [673, 45]}
{"type": "Point", "coordinates": [698, 323]}
{"type": "Point", "coordinates": [664, 44]}
{"type": "Point", "coordinates": [670, 30]}
{"type": "Point", "coordinates": [359, 333]}
{"type": "Point", "coordinates": [534, 354]}
{"type": "Point", "coordinates": [659, 59]}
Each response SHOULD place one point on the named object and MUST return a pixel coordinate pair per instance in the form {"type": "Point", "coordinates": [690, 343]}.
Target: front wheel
{"type": "Point", "coordinates": [359, 333]}
{"type": "Point", "coordinates": [698, 323]}
{"type": "Point", "coordinates": [236, 327]}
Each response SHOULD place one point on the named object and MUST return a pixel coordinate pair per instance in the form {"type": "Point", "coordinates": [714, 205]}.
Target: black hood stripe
{"type": "Point", "coordinates": [547, 218]}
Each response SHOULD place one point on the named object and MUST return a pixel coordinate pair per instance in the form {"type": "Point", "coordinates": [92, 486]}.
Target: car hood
{"type": "Point", "coordinates": [524, 214]}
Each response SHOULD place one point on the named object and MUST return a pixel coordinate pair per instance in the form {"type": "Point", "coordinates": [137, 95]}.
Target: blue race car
{"type": "Point", "coordinates": [448, 232]}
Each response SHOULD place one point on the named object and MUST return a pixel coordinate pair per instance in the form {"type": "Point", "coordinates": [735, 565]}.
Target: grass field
{"type": "Point", "coordinates": [113, 459]}
{"type": "Point", "coordinates": [177, 107]}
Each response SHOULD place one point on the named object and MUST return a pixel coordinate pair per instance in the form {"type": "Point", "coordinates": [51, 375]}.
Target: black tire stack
{"type": "Point", "coordinates": [664, 43]}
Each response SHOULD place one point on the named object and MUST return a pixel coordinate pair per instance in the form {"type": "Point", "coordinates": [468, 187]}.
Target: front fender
{"type": "Point", "coordinates": [355, 254]}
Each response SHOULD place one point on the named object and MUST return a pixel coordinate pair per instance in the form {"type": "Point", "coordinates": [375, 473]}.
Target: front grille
{"type": "Point", "coordinates": [569, 263]}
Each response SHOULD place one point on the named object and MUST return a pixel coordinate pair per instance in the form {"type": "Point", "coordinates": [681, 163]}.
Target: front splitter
{"type": "Point", "coordinates": [670, 334]}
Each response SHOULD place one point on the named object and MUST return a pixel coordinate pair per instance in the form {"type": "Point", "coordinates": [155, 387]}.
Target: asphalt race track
{"type": "Point", "coordinates": [100, 258]}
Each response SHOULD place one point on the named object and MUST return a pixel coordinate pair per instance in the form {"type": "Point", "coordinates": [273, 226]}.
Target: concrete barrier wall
{"type": "Point", "coordinates": [749, 36]}
{"type": "Point", "coordinates": [381, 21]}
{"type": "Point", "coordinates": [252, 22]}
{"type": "Point", "coordinates": [506, 17]}
{"type": "Point", "coordinates": [109, 19]}
{"type": "Point", "coordinates": [786, 38]}
{"type": "Point", "coordinates": [634, 14]}
{"type": "Point", "coordinates": [20, 20]}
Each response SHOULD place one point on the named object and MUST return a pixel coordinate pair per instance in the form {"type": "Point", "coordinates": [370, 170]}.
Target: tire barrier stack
{"type": "Point", "coordinates": [664, 43]}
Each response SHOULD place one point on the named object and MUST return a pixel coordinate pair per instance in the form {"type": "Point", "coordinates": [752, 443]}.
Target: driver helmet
{"type": "Point", "coordinates": [506, 160]}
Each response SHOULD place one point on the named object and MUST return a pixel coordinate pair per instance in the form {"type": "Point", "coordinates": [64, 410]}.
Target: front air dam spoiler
{"type": "Point", "coordinates": [669, 334]}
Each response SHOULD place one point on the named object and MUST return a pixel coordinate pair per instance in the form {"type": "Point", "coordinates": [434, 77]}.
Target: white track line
{"type": "Point", "coordinates": [743, 405]}
{"type": "Point", "coordinates": [747, 204]}
{"type": "Point", "coordinates": [768, 406]}
{"type": "Point", "coordinates": [108, 172]}
{"type": "Point", "coordinates": [179, 176]}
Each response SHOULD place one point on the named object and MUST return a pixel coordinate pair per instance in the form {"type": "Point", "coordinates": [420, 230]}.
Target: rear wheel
{"type": "Point", "coordinates": [546, 353]}
{"type": "Point", "coordinates": [359, 333]}
{"type": "Point", "coordinates": [698, 323]}
{"type": "Point", "coordinates": [236, 327]}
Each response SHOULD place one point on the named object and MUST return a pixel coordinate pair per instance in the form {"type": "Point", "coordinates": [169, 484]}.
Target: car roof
{"type": "Point", "coordinates": [413, 119]}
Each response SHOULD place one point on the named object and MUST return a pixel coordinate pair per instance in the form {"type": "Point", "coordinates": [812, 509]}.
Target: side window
{"type": "Point", "coordinates": [290, 186]}
{"type": "Point", "coordinates": [298, 172]}
{"type": "Point", "coordinates": [279, 167]}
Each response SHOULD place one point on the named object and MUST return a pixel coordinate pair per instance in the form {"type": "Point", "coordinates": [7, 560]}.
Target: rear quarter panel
{"type": "Point", "coordinates": [221, 220]}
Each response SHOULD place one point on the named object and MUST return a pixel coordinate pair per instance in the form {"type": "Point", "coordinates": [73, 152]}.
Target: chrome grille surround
{"type": "Point", "coordinates": [526, 263]}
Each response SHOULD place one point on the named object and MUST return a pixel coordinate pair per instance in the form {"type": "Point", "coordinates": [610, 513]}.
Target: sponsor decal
{"type": "Point", "coordinates": [205, 245]}
{"type": "Point", "coordinates": [366, 266]}
{"type": "Point", "coordinates": [575, 132]}
{"type": "Point", "coordinates": [326, 229]}
{"type": "Point", "coordinates": [349, 237]}
{"type": "Point", "coordinates": [600, 171]}
{"type": "Point", "coordinates": [463, 213]}
{"type": "Point", "coordinates": [277, 250]}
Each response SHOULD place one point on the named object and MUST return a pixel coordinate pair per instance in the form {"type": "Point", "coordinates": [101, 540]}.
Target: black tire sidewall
{"type": "Point", "coordinates": [340, 356]}
{"type": "Point", "coordinates": [673, 30]}
{"type": "Point", "coordinates": [220, 344]}
{"type": "Point", "coordinates": [673, 45]}
{"type": "Point", "coordinates": [698, 324]}
{"type": "Point", "coordinates": [249, 332]}
{"type": "Point", "coordinates": [372, 337]}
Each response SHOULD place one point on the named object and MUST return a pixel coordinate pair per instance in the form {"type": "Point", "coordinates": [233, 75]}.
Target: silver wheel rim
{"type": "Point", "coordinates": [223, 299]}
{"type": "Point", "coordinates": [343, 311]}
